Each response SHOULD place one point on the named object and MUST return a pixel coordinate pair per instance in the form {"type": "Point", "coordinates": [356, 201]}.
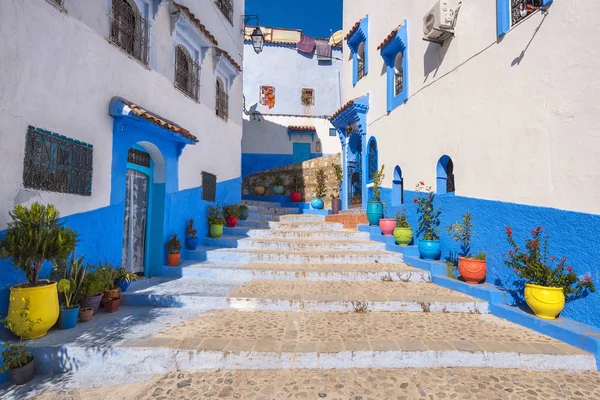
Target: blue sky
{"type": "Point", "coordinates": [315, 17]}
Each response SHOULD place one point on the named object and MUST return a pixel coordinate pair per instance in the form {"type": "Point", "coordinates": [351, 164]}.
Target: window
{"type": "Point", "coordinates": [358, 42]}
{"type": "Point", "coordinates": [222, 101]}
{"type": "Point", "coordinates": [209, 186]}
{"type": "Point", "coordinates": [226, 7]}
{"type": "Point", "coordinates": [55, 163]}
{"type": "Point", "coordinates": [398, 75]}
{"type": "Point", "coordinates": [445, 175]}
{"type": "Point", "coordinates": [267, 96]}
{"type": "Point", "coordinates": [520, 9]}
{"type": "Point", "coordinates": [332, 132]}
{"type": "Point", "coordinates": [129, 30]}
{"type": "Point", "coordinates": [187, 73]}
{"type": "Point", "coordinates": [397, 188]}
{"type": "Point", "coordinates": [360, 56]}
{"type": "Point", "coordinates": [308, 97]}
{"type": "Point", "coordinates": [372, 159]}
{"type": "Point", "coordinates": [138, 157]}
{"type": "Point", "coordinates": [394, 50]}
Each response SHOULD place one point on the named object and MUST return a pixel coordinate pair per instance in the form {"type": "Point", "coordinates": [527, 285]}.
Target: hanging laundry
{"type": "Point", "coordinates": [306, 44]}
{"type": "Point", "coordinates": [323, 50]}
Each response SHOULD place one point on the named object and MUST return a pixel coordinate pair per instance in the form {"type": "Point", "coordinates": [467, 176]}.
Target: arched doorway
{"type": "Point", "coordinates": [143, 221]}
{"type": "Point", "coordinates": [445, 175]}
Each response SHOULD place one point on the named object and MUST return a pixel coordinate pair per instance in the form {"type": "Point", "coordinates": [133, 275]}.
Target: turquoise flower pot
{"type": "Point", "coordinates": [316, 203]}
{"type": "Point", "coordinates": [278, 190]}
{"type": "Point", "coordinates": [430, 249]}
{"type": "Point", "coordinates": [374, 212]}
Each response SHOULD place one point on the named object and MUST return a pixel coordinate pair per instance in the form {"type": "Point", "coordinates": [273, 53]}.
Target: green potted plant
{"type": "Point", "coordinates": [471, 267]}
{"type": "Point", "coordinates": [298, 185]}
{"type": "Point", "coordinates": [232, 213]}
{"type": "Point", "coordinates": [191, 239]}
{"type": "Point", "coordinates": [35, 235]}
{"type": "Point", "coordinates": [124, 278]}
{"type": "Point", "coordinates": [547, 281]}
{"type": "Point", "coordinates": [259, 189]}
{"type": "Point", "coordinates": [70, 286]}
{"type": "Point", "coordinates": [215, 221]}
{"type": "Point", "coordinates": [17, 359]}
{"type": "Point", "coordinates": [244, 212]}
{"type": "Point", "coordinates": [375, 206]}
{"type": "Point", "coordinates": [278, 186]}
{"type": "Point", "coordinates": [317, 201]}
{"type": "Point", "coordinates": [92, 290]}
{"type": "Point", "coordinates": [111, 301]}
{"type": "Point", "coordinates": [429, 221]}
{"type": "Point", "coordinates": [403, 232]}
{"type": "Point", "coordinates": [173, 250]}
{"type": "Point", "coordinates": [336, 203]}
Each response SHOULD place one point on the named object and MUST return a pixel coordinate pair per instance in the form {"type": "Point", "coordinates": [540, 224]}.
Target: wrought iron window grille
{"type": "Point", "coordinates": [138, 157]}
{"type": "Point", "coordinates": [226, 7]}
{"type": "Point", "coordinates": [361, 67]}
{"type": "Point", "coordinates": [398, 82]}
{"type": "Point", "coordinates": [521, 9]}
{"type": "Point", "coordinates": [187, 73]}
{"type": "Point", "coordinates": [372, 159]}
{"type": "Point", "coordinates": [129, 30]}
{"type": "Point", "coordinates": [56, 163]}
{"type": "Point", "coordinates": [222, 102]}
{"type": "Point", "coordinates": [209, 186]}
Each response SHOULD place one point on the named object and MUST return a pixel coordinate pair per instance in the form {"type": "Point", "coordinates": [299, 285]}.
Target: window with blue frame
{"type": "Point", "coordinates": [358, 42]}
{"type": "Point", "coordinates": [56, 163]}
{"type": "Point", "coordinates": [372, 159]}
{"type": "Point", "coordinates": [510, 12]}
{"type": "Point", "coordinates": [394, 51]}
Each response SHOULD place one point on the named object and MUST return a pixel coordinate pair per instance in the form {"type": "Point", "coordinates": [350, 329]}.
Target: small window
{"type": "Point", "coordinates": [55, 163]}
{"type": "Point", "coordinates": [360, 55]}
{"type": "Point", "coordinates": [308, 97]}
{"type": "Point", "coordinates": [187, 73]}
{"type": "Point", "coordinates": [226, 7]}
{"type": "Point", "coordinates": [332, 132]}
{"type": "Point", "coordinates": [267, 96]}
{"type": "Point", "coordinates": [138, 157]}
{"type": "Point", "coordinates": [318, 148]}
{"type": "Point", "coordinates": [521, 9]}
{"type": "Point", "coordinates": [445, 175]}
{"type": "Point", "coordinates": [209, 186]}
{"type": "Point", "coordinates": [222, 100]}
{"type": "Point", "coordinates": [398, 75]}
{"type": "Point", "coordinates": [372, 159]}
{"type": "Point", "coordinates": [129, 30]}
{"type": "Point", "coordinates": [397, 188]}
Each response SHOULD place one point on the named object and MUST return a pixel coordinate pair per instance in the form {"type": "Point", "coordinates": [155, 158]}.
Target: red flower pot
{"type": "Point", "coordinates": [111, 306]}
{"type": "Point", "coordinates": [295, 197]}
{"type": "Point", "coordinates": [173, 259]}
{"type": "Point", "coordinates": [472, 271]}
{"type": "Point", "coordinates": [387, 226]}
{"type": "Point", "coordinates": [232, 222]}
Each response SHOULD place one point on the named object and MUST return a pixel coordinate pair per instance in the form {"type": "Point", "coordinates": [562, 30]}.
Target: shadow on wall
{"type": "Point", "coordinates": [434, 57]}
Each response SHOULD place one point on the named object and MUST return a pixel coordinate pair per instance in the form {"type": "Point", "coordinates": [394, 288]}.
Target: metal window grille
{"type": "Point", "coordinates": [332, 132]}
{"type": "Point", "coordinates": [402, 191]}
{"type": "Point", "coordinates": [450, 187]}
{"type": "Point", "coordinates": [222, 102]}
{"type": "Point", "coordinates": [520, 9]}
{"type": "Point", "coordinates": [187, 73]}
{"type": "Point", "coordinates": [361, 67]}
{"type": "Point", "coordinates": [226, 7]}
{"type": "Point", "coordinates": [129, 30]}
{"type": "Point", "coordinates": [399, 82]}
{"type": "Point", "coordinates": [308, 97]}
{"type": "Point", "coordinates": [138, 157]}
{"type": "Point", "coordinates": [372, 158]}
{"type": "Point", "coordinates": [209, 186]}
{"type": "Point", "coordinates": [57, 164]}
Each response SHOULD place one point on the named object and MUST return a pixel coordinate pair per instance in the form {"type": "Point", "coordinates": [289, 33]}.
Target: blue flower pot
{"type": "Point", "coordinates": [67, 318]}
{"type": "Point", "coordinates": [192, 243]}
{"type": "Point", "coordinates": [123, 285]}
{"type": "Point", "coordinates": [278, 190]}
{"type": "Point", "coordinates": [430, 249]}
{"type": "Point", "coordinates": [374, 212]}
{"type": "Point", "coordinates": [316, 203]}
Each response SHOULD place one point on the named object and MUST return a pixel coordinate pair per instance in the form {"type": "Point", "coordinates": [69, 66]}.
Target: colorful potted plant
{"type": "Point", "coordinates": [215, 221]}
{"type": "Point", "coordinates": [92, 290]}
{"type": "Point", "coordinates": [375, 206]}
{"type": "Point", "coordinates": [69, 312]}
{"type": "Point", "coordinates": [232, 213]}
{"type": "Point", "coordinates": [297, 184]}
{"type": "Point", "coordinates": [259, 190]}
{"type": "Point", "coordinates": [70, 275]}
{"type": "Point", "coordinates": [471, 267]}
{"type": "Point", "coordinates": [111, 301]}
{"type": "Point", "coordinates": [317, 201]}
{"type": "Point", "coordinates": [35, 235]}
{"type": "Point", "coordinates": [278, 186]}
{"type": "Point", "coordinates": [244, 212]}
{"type": "Point", "coordinates": [403, 232]}
{"type": "Point", "coordinates": [429, 221]}
{"type": "Point", "coordinates": [173, 249]}
{"type": "Point", "coordinates": [336, 203]}
{"type": "Point", "coordinates": [123, 278]}
{"type": "Point", "coordinates": [191, 238]}
{"type": "Point", "coordinates": [16, 358]}
{"type": "Point", "coordinates": [548, 281]}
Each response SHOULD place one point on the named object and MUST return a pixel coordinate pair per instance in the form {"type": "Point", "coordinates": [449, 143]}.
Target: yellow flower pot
{"type": "Point", "coordinates": [43, 305]}
{"type": "Point", "coordinates": [545, 302]}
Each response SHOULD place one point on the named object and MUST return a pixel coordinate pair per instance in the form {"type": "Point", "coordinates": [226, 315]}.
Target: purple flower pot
{"type": "Point", "coordinates": [92, 302]}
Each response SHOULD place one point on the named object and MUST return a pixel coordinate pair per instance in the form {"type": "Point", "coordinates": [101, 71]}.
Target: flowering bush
{"type": "Point", "coordinates": [429, 214]}
{"type": "Point", "coordinates": [534, 265]}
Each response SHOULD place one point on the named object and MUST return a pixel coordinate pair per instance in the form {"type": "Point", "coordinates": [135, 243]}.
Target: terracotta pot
{"type": "Point", "coordinates": [24, 374]}
{"type": "Point", "coordinates": [86, 314]}
{"type": "Point", "coordinates": [336, 206]}
{"type": "Point", "coordinates": [387, 226]}
{"type": "Point", "coordinates": [231, 221]}
{"type": "Point", "coordinates": [173, 259]}
{"type": "Point", "coordinates": [259, 190]}
{"type": "Point", "coordinates": [110, 294]}
{"type": "Point", "coordinates": [472, 271]}
{"type": "Point", "coordinates": [111, 306]}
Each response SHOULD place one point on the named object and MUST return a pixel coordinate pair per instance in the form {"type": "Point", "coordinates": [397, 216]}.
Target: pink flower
{"type": "Point", "coordinates": [516, 271]}
{"type": "Point", "coordinates": [552, 258]}
{"type": "Point", "coordinates": [587, 278]}
{"type": "Point", "coordinates": [534, 243]}
{"type": "Point", "coordinates": [564, 259]}
{"type": "Point", "coordinates": [509, 231]}
{"type": "Point", "coordinates": [538, 229]}
{"type": "Point", "coordinates": [570, 269]}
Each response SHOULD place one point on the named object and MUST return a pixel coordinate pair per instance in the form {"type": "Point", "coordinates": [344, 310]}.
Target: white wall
{"type": "Point", "coordinates": [518, 118]}
{"type": "Point", "coordinates": [59, 74]}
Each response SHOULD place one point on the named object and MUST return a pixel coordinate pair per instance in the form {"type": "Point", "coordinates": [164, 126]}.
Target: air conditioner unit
{"type": "Point", "coordinates": [438, 23]}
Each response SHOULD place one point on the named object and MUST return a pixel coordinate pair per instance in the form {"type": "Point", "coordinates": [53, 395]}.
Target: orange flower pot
{"type": "Point", "coordinates": [472, 271]}
{"type": "Point", "coordinates": [173, 259]}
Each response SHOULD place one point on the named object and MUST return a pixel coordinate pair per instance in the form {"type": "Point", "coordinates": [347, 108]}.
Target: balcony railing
{"type": "Point", "coordinates": [129, 30]}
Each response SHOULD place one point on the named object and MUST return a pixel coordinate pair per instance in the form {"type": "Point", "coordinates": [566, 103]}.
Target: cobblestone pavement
{"type": "Point", "coordinates": [405, 384]}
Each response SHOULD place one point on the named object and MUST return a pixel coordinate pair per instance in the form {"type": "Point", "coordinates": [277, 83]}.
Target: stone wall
{"type": "Point", "coordinates": [307, 169]}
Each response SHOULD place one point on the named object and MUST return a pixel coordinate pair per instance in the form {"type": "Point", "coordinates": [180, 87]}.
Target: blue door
{"type": "Point", "coordinates": [301, 152]}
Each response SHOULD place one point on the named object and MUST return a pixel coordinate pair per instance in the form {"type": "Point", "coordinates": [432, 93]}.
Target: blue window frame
{"type": "Point", "coordinates": [372, 159]}
{"type": "Point", "coordinates": [506, 12]}
{"type": "Point", "coordinates": [395, 55]}
{"type": "Point", "coordinates": [358, 42]}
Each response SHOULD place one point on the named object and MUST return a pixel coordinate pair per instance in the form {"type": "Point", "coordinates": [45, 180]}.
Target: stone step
{"type": "Point", "coordinates": [254, 224]}
{"type": "Point", "coordinates": [307, 235]}
{"type": "Point", "coordinates": [348, 296]}
{"type": "Point", "coordinates": [261, 203]}
{"type": "Point", "coordinates": [302, 218]}
{"type": "Point", "coordinates": [273, 210]}
{"type": "Point", "coordinates": [306, 226]}
{"type": "Point", "coordinates": [240, 231]}
{"type": "Point", "coordinates": [282, 340]}
{"type": "Point", "coordinates": [304, 244]}
{"type": "Point", "coordinates": [295, 256]}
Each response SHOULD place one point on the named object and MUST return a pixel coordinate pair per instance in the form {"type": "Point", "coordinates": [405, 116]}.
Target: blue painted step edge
{"type": "Point", "coordinates": [222, 242]}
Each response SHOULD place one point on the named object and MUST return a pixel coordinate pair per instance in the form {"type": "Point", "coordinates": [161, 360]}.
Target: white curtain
{"type": "Point", "coordinates": [136, 206]}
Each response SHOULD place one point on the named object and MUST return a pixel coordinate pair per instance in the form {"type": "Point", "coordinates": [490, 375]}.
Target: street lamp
{"type": "Point", "coordinates": [258, 39]}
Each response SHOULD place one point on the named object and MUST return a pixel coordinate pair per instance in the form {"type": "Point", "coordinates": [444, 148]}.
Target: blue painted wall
{"type": "Point", "coordinates": [573, 235]}
{"type": "Point", "coordinates": [253, 163]}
